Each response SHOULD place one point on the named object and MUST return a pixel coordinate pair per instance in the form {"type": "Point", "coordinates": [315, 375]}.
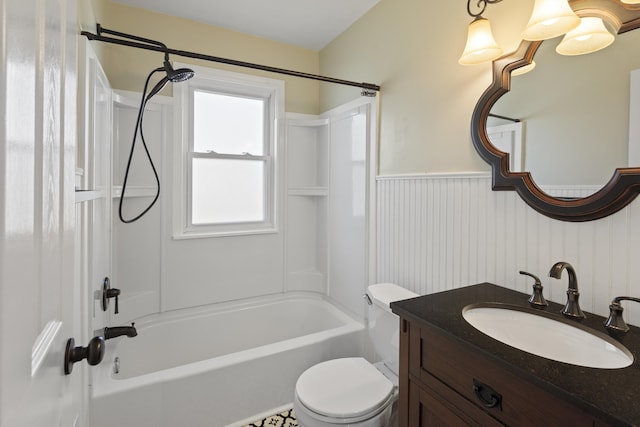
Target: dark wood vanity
{"type": "Point", "coordinates": [454, 375]}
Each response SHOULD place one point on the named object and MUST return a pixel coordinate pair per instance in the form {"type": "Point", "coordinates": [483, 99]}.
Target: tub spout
{"type": "Point", "coordinates": [117, 331]}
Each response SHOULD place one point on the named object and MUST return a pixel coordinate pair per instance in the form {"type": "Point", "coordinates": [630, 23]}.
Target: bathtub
{"type": "Point", "coordinates": [219, 365]}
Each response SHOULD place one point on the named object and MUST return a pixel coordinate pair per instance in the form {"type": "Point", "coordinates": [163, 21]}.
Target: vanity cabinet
{"type": "Point", "coordinates": [444, 383]}
{"type": "Point", "coordinates": [451, 374]}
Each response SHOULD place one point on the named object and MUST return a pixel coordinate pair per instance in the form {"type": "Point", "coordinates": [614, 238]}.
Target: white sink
{"type": "Point", "coordinates": [545, 337]}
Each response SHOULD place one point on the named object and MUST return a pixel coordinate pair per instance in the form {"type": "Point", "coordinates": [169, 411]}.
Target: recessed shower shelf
{"type": "Point", "coordinates": [86, 195]}
{"type": "Point", "coordinates": [309, 191]}
{"type": "Point", "coordinates": [134, 192]}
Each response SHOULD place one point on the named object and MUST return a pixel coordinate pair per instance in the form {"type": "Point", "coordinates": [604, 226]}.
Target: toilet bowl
{"type": "Point", "coordinates": [349, 391]}
{"type": "Point", "coordinates": [352, 391]}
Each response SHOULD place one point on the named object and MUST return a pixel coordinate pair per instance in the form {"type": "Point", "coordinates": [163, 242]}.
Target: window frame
{"type": "Point", "coordinates": [232, 84]}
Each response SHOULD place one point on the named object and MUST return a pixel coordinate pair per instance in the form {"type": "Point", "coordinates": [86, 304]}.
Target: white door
{"type": "Point", "coordinates": [38, 302]}
{"type": "Point", "coordinates": [508, 138]}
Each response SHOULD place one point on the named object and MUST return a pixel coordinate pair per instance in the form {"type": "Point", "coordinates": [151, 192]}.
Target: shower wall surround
{"type": "Point", "coordinates": [321, 244]}
{"type": "Point", "coordinates": [443, 231]}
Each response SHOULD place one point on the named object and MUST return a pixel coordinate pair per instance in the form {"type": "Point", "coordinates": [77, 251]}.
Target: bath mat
{"type": "Point", "coordinates": [283, 419]}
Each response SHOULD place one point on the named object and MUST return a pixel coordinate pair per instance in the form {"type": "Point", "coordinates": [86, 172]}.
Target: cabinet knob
{"type": "Point", "coordinates": [486, 395]}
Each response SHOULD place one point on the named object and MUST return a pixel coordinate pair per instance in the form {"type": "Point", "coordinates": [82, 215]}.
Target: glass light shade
{"type": "Point", "coordinates": [549, 19]}
{"type": "Point", "coordinates": [589, 37]}
{"type": "Point", "coordinates": [481, 46]}
{"type": "Point", "coordinates": [522, 70]}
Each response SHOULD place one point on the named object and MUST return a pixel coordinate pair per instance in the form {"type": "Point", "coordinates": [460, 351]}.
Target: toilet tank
{"type": "Point", "coordinates": [383, 326]}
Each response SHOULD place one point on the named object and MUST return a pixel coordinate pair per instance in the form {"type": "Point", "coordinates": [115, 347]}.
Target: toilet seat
{"type": "Point", "coordinates": [348, 390]}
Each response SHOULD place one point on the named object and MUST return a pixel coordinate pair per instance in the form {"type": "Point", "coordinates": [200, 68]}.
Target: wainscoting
{"type": "Point", "coordinates": [438, 232]}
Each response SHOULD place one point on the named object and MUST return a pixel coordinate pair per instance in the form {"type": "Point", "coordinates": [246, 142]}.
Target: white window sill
{"type": "Point", "coordinates": [212, 234]}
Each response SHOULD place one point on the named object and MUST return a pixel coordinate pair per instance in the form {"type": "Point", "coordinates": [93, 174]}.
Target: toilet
{"type": "Point", "coordinates": [352, 391]}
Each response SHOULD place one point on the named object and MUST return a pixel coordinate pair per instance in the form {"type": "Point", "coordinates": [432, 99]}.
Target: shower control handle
{"type": "Point", "coordinates": [367, 298]}
{"type": "Point", "coordinates": [107, 293]}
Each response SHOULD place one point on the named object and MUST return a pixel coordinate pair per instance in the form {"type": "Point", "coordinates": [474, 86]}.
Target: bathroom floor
{"type": "Point", "coordinates": [283, 419]}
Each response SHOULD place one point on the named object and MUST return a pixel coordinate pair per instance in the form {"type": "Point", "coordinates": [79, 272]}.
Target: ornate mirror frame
{"type": "Point", "coordinates": [624, 185]}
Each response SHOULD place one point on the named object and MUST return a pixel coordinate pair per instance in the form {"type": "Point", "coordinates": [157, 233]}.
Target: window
{"type": "Point", "coordinates": [227, 164]}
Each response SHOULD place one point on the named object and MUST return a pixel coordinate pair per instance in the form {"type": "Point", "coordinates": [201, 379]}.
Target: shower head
{"type": "Point", "coordinates": [179, 75]}
{"type": "Point", "coordinates": [173, 76]}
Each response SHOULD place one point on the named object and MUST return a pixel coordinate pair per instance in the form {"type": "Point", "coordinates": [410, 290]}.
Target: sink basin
{"type": "Point", "coordinates": [554, 338]}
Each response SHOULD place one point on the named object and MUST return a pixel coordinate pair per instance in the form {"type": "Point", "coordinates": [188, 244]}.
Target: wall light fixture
{"type": "Point", "coordinates": [590, 36]}
{"type": "Point", "coordinates": [549, 19]}
{"type": "Point", "coordinates": [481, 45]}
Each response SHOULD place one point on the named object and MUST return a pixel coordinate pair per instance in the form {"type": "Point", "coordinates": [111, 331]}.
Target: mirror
{"type": "Point", "coordinates": [573, 163]}
{"type": "Point", "coordinates": [575, 133]}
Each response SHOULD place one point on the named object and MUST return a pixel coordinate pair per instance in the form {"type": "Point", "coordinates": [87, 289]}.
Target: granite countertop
{"type": "Point", "coordinates": [612, 395]}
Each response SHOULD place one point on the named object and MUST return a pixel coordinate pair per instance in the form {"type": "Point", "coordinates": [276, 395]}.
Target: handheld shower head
{"type": "Point", "coordinates": [158, 87]}
{"type": "Point", "coordinates": [173, 76]}
{"type": "Point", "coordinates": [179, 75]}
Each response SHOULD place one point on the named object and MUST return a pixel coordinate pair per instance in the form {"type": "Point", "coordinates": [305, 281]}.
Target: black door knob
{"type": "Point", "coordinates": [94, 352]}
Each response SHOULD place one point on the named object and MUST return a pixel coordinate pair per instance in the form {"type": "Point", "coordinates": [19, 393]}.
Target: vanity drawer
{"type": "Point", "coordinates": [502, 394]}
{"type": "Point", "coordinates": [433, 404]}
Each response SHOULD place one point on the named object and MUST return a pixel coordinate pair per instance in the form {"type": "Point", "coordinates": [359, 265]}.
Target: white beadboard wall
{"type": "Point", "coordinates": [438, 232]}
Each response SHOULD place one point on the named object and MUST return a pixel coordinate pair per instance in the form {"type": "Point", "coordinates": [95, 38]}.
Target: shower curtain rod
{"type": "Point", "coordinates": [497, 116]}
{"type": "Point", "coordinates": [369, 89]}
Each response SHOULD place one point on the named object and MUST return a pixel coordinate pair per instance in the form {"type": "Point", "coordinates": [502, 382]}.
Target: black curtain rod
{"type": "Point", "coordinates": [148, 44]}
{"type": "Point", "coordinates": [497, 116]}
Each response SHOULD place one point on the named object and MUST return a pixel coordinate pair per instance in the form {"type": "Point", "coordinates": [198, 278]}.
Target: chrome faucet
{"type": "Point", "coordinates": [615, 324]}
{"type": "Point", "coordinates": [117, 331]}
{"type": "Point", "coordinates": [572, 307]}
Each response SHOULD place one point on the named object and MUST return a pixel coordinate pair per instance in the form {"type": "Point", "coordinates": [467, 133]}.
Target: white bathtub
{"type": "Point", "coordinates": [216, 366]}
